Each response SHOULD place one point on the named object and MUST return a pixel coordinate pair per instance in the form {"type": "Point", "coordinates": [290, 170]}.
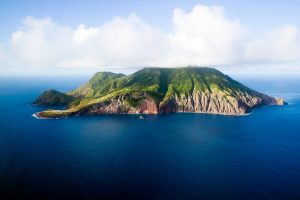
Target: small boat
{"type": "Point", "coordinates": [141, 117]}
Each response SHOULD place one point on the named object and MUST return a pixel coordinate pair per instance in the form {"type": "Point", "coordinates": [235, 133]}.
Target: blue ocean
{"type": "Point", "coordinates": [176, 156]}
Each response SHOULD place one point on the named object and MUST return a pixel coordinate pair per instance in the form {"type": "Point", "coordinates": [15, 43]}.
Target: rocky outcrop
{"type": "Point", "coordinates": [217, 103]}
{"type": "Point", "coordinates": [148, 107]}
{"type": "Point", "coordinates": [279, 101]}
{"type": "Point", "coordinates": [120, 105]}
{"type": "Point", "coordinates": [203, 103]}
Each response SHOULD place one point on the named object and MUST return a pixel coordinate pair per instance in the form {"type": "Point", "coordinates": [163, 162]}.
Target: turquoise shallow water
{"type": "Point", "coordinates": [178, 156]}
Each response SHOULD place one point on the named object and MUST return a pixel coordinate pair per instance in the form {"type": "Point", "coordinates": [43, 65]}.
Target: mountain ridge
{"type": "Point", "coordinates": [162, 90]}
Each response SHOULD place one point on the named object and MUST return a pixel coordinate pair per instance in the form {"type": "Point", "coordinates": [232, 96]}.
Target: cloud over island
{"type": "Point", "coordinates": [205, 36]}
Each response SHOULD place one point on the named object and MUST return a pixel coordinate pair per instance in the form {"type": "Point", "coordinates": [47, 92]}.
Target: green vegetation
{"type": "Point", "coordinates": [134, 102]}
{"type": "Point", "coordinates": [101, 83]}
{"type": "Point", "coordinates": [158, 83]}
{"type": "Point", "coordinates": [53, 98]}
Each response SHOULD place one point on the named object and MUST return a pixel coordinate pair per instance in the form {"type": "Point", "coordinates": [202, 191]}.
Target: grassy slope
{"type": "Point", "coordinates": [53, 98]}
{"type": "Point", "coordinates": [160, 83]}
{"type": "Point", "coordinates": [101, 83]}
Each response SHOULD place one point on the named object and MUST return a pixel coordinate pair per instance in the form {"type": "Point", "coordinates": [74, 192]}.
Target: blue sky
{"type": "Point", "coordinates": [257, 18]}
{"type": "Point", "coordinates": [258, 14]}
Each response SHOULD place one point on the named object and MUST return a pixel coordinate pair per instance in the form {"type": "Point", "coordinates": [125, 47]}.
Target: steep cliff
{"type": "Point", "coordinates": [162, 90]}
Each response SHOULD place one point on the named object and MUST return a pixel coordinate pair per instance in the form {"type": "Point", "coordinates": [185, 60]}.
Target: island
{"type": "Point", "coordinates": [156, 91]}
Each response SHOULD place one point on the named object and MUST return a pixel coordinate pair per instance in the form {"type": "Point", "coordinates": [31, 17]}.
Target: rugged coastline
{"type": "Point", "coordinates": [157, 91]}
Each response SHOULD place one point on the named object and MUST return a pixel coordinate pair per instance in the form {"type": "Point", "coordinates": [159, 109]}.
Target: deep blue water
{"type": "Point", "coordinates": [177, 156]}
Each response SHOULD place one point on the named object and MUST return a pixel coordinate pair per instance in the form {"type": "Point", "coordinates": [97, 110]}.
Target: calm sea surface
{"type": "Point", "coordinates": [177, 156]}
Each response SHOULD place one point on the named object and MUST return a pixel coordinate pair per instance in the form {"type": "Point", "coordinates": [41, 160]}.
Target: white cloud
{"type": "Point", "coordinates": [119, 42]}
{"type": "Point", "coordinates": [203, 36]}
{"type": "Point", "coordinates": [279, 45]}
{"type": "Point", "coordinates": [1, 53]}
{"type": "Point", "coordinates": [41, 42]}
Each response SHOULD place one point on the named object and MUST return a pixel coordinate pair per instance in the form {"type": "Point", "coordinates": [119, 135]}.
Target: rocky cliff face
{"type": "Point", "coordinates": [217, 103]}
{"type": "Point", "coordinates": [120, 105]}
{"type": "Point", "coordinates": [204, 103]}
{"type": "Point", "coordinates": [157, 91]}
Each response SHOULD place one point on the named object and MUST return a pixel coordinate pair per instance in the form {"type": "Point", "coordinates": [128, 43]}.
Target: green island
{"type": "Point", "coordinates": [156, 91]}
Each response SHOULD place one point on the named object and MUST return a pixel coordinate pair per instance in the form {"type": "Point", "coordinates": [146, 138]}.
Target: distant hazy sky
{"type": "Point", "coordinates": [82, 36]}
